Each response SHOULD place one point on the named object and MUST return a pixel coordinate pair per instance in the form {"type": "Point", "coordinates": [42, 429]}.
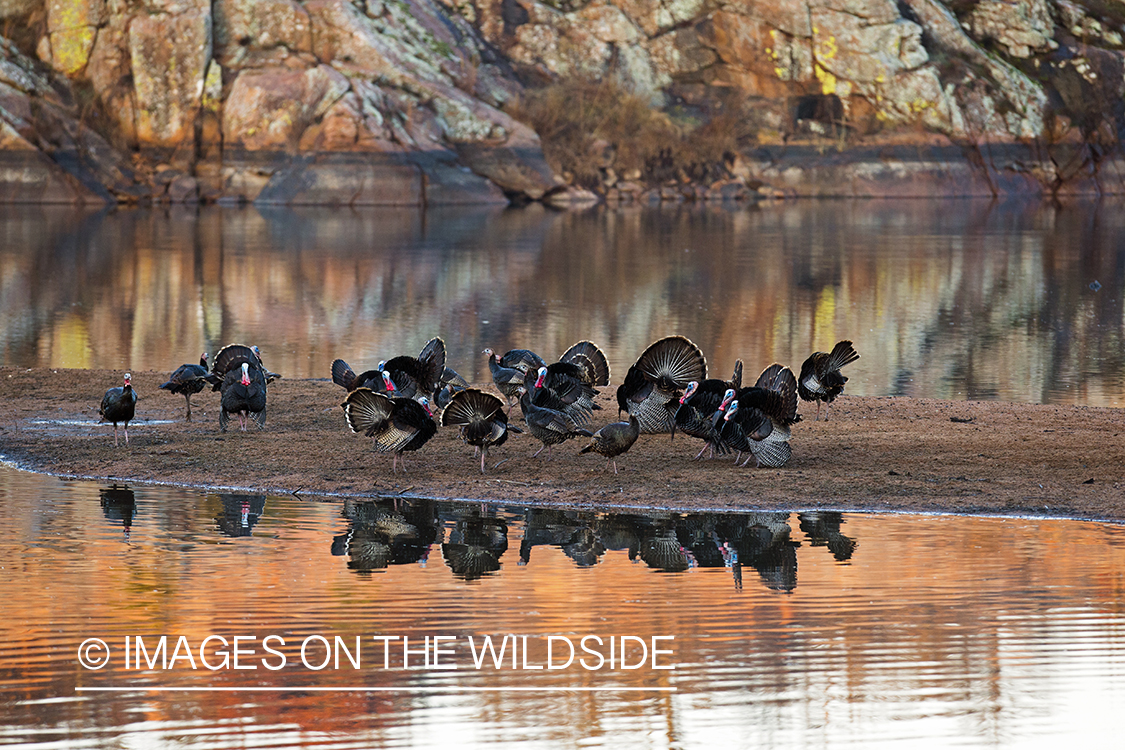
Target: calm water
{"type": "Point", "coordinates": [948, 299]}
{"type": "Point", "coordinates": [785, 629]}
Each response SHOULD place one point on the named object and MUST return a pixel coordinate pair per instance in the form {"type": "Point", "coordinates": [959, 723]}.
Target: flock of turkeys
{"type": "Point", "coordinates": [666, 390]}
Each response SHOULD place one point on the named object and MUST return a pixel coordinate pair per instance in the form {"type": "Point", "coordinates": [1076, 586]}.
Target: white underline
{"type": "Point", "coordinates": [363, 689]}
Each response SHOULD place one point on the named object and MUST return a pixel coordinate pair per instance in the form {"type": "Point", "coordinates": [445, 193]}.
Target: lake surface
{"type": "Point", "coordinates": [786, 630]}
{"type": "Point", "coordinates": [948, 299]}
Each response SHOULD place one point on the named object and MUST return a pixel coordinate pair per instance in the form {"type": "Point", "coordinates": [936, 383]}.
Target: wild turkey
{"type": "Point", "coordinates": [119, 405]}
{"type": "Point", "coordinates": [614, 439]}
{"type": "Point", "coordinates": [522, 360]}
{"type": "Point", "coordinates": [230, 359]}
{"type": "Point", "coordinates": [820, 375]}
{"type": "Point", "coordinates": [413, 377]}
{"type": "Point", "coordinates": [343, 376]}
{"type": "Point", "coordinates": [270, 376]}
{"type": "Point", "coordinates": [591, 360]}
{"type": "Point", "coordinates": [418, 377]}
{"type": "Point", "coordinates": [768, 409]}
{"type": "Point", "coordinates": [548, 426]}
{"type": "Point", "coordinates": [244, 394]}
{"type": "Point", "coordinates": [395, 425]}
{"type": "Point", "coordinates": [508, 380]}
{"type": "Point", "coordinates": [450, 385]}
{"type": "Point", "coordinates": [481, 418]}
{"type": "Point", "coordinates": [188, 379]}
{"type": "Point", "coordinates": [653, 386]}
{"type": "Point", "coordinates": [698, 405]}
{"type": "Point", "coordinates": [742, 426]}
{"type": "Point", "coordinates": [560, 386]}
{"type": "Point", "coordinates": [699, 411]}
{"type": "Point", "coordinates": [584, 362]}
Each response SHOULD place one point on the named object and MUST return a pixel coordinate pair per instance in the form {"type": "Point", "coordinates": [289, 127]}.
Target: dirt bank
{"type": "Point", "coordinates": [895, 454]}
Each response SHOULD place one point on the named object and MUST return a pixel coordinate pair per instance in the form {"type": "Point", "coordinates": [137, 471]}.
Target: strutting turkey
{"type": "Point", "coordinates": [237, 373]}
{"type": "Point", "coordinates": [653, 386]}
{"type": "Point", "coordinates": [569, 385]}
{"type": "Point", "coordinates": [414, 377]}
{"type": "Point", "coordinates": [560, 386]}
{"type": "Point", "coordinates": [821, 379]}
{"type": "Point", "coordinates": [699, 411]}
{"type": "Point", "coordinates": [395, 425]}
{"type": "Point", "coordinates": [759, 418]}
{"type": "Point", "coordinates": [244, 394]}
{"type": "Point", "coordinates": [481, 419]}
{"type": "Point", "coordinates": [698, 405]}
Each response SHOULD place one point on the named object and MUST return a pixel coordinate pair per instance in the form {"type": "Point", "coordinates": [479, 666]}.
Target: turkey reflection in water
{"type": "Point", "coordinates": [397, 532]}
{"type": "Point", "coordinates": [801, 629]}
{"type": "Point", "coordinates": [946, 299]}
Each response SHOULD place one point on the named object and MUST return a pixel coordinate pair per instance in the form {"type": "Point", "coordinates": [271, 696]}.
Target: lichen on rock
{"type": "Point", "coordinates": [438, 81]}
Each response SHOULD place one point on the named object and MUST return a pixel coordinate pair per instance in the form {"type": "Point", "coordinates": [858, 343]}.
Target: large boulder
{"type": "Point", "coordinates": [169, 54]}
{"type": "Point", "coordinates": [269, 109]}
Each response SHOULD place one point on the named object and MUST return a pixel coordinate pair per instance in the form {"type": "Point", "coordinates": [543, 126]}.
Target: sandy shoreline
{"type": "Point", "coordinates": [874, 454]}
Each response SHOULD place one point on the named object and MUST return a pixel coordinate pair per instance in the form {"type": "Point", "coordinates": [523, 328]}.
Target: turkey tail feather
{"type": "Point", "coordinates": [771, 453]}
{"type": "Point", "coordinates": [674, 358]}
{"type": "Point", "coordinates": [591, 351]}
{"type": "Point", "coordinates": [842, 354]}
{"type": "Point", "coordinates": [432, 358]}
{"type": "Point", "coordinates": [342, 374]}
{"type": "Point", "coordinates": [365, 409]}
{"type": "Point", "coordinates": [232, 356]}
{"type": "Point", "coordinates": [780, 379]}
{"type": "Point", "coordinates": [471, 406]}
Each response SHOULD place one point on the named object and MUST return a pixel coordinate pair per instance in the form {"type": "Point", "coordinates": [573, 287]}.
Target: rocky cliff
{"type": "Point", "coordinates": [421, 101]}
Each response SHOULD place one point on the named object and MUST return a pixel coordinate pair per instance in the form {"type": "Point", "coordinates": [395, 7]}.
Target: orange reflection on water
{"type": "Point", "coordinates": [973, 629]}
{"type": "Point", "coordinates": [946, 299]}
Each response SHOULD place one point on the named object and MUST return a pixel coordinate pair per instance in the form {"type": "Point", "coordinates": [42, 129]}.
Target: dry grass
{"type": "Point", "coordinates": [593, 130]}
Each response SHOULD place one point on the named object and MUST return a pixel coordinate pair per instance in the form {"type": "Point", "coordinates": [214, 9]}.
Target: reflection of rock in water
{"type": "Point", "coordinates": [240, 513]}
{"type": "Point", "coordinates": [475, 546]}
{"type": "Point", "coordinates": [823, 530]}
{"type": "Point", "coordinates": [385, 532]}
{"type": "Point", "coordinates": [119, 504]}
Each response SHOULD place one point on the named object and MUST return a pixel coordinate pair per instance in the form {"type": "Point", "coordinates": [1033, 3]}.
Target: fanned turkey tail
{"type": "Point", "coordinates": [599, 363]}
{"type": "Point", "coordinates": [342, 374]}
